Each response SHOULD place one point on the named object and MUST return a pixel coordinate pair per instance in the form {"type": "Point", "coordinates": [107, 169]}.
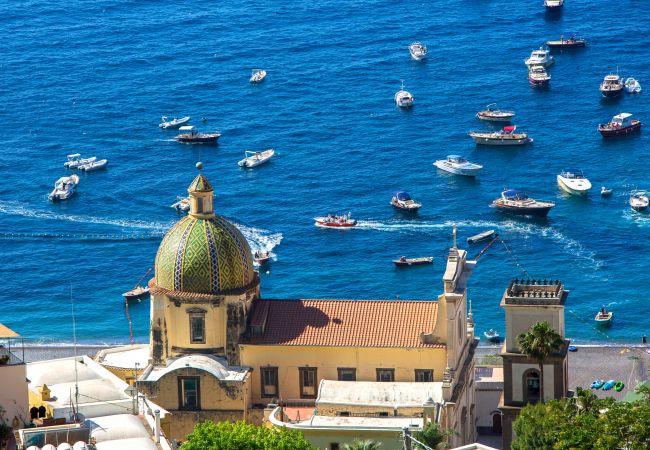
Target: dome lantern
{"type": "Point", "coordinates": [201, 196]}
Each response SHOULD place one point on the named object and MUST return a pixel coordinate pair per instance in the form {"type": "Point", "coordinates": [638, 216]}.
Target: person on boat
{"type": "Point", "coordinates": [603, 311]}
{"type": "Point", "coordinates": [402, 258]}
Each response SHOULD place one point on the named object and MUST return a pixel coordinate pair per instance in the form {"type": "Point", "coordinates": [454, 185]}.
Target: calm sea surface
{"type": "Point", "coordinates": [95, 76]}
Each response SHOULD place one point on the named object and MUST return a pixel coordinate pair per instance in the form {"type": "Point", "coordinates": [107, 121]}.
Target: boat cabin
{"type": "Point", "coordinates": [513, 195]}
{"type": "Point", "coordinates": [455, 159]}
{"type": "Point", "coordinates": [189, 129]}
{"type": "Point", "coordinates": [621, 120]}
{"type": "Point", "coordinates": [402, 196]}
{"type": "Point", "coordinates": [572, 173]}
{"type": "Point", "coordinates": [509, 129]}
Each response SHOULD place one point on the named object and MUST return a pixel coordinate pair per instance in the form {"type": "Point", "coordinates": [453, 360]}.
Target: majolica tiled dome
{"type": "Point", "coordinates": [203, 253]}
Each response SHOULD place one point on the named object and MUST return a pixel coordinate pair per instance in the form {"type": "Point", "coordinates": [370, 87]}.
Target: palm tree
{"type": "Point", "coordinates": [363, 445]}
{"type": "Point", "coordinates": [538, 343]}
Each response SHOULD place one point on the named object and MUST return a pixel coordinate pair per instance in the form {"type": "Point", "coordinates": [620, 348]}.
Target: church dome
{"type": "Point", "coordinates": [203, 252]}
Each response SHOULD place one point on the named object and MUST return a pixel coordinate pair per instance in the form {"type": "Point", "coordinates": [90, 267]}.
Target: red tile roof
{"type": "Point", "coordinates": [343, 323]}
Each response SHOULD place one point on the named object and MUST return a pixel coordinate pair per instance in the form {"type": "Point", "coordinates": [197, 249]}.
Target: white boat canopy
{"type": "Point", "coordinates": [186, 128]}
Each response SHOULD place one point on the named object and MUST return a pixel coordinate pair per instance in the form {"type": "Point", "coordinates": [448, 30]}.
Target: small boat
{"type": "Point", "coordinates": [541, 57]}
{"type": "Point", "coordinates": [612, 86]}
{"type": "Point", "coordinates": [597, 384]}
{"type": "Point", "coordinates": [403, 98]}
{"type": "Point", "coordinates": [620, 125]}
{"type": "Point", "coordinates": [174, 123]}
{"type": "Point", "coordinates": [191, 136]}
{"type": "Point", "coordinates": [572, 348]}
{"type": "Point", "coordinates": [605, 192]}
{"type": "Point", "coordinates": [75, 160]}
{"type": "Point", "coordinates": [94, 165]}
{"type": "Point", "coordinates": [492, 335]}
{"type": "Point", "coordinates": [494, 114]}
{"type": "Point", "coordinates": [506, 136]}
{"type": "Point", "coordinates": [403, 261]}
{"type": "Point", "coordinates": [552, 4]}
{"type": "Point", "coordinates": [604, 317]}
{"type": "Point", "coordinates": [537, 76]}
{"type": "Point", "coordinates": [639, 200]}
{"type": "Point", "coordinates": [138, 292]}
{"type": "Point", "coordinates": [254, 159]}
{"type": "Point", "coordinates": [618, 386]}
{"type": "Point", "coordinates": [64, 188]}
{"type": "Point", "coordinates": [632, 86]}
{"type": "Point", "coordinates": [608, 385]}
{"type": "Point", "coordinates": [183, 204]}
{"type": "Point", "coordinates": [458, 165]}
{"type": "Point", "coordinates": [571, 42]}
{"type": "Point", "coordinates": [574, 182]}
{"type": "Point", "coordinates": [418, 51]}
{"type": "Point", "coordinates": [517, 203]}
{"type": "Point", "coordinates": [257, 75]}
{"type": "Point", "coordinates": [484, 236]}
{"type": "Point", "coordinates": [335, 221]}
{"type": "Point", "coordinates": [261, 257]}
{"type": "Point", "coordinates": [402, 200]}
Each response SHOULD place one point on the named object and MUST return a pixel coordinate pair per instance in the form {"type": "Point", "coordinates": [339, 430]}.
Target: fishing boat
{"type": "Point", "coordinates": [541, 57]}
{"type": "Point", "coordinates": [493, 114]}
{"type": "Point", "coordinates": [190, 136]}
{"type": "Point", "coordinates": [75, 160]}
{"type": "Point", "coordinates": [537, 76]}
{"type": "Point", "coordinates": [402, 200]}
{"type": "Point", "coordinates": [516, 202]}
{"type": "Point", "coordinates": [620, 125]}
{"type": "Point", "coordinates": [254, 159]}
{"type": "Point", "coordinates": [571, 42]}
{"type": "Point", "coordinates": [573, 181]}
{"type": "Point", "coordinates": [612, 86]}
{"type": "Point", "coordinates": [261, 257]}
{"type": "Point", "coordinates": [418, 51]}
{"type": "Point", "coordinates": [458, 165]}
{"type": "Point", "coordinates": [64, 188]}
{"type": "Point", "coordinates": [632, 86]}
{"type": "Point", "coordinates": [173, 124]}
{"type": "Point", "coordinates": [138, 292]}
{"type": "Point", "coordinates": [183, 204]}
{"type": "Point", "coordinates": [506, 136]}
{"type": "Point", "coordinates": [604, 317]}
{"type": "Point", "coordinates": [553, 4]}
{"type": "Point", "coordinates": [403, 261]}
{"type": "Point", "coordinates": [403, 98]}
{"type": "Point", "coordinates": [639, 200]}
{"type": "Point", "coordinates": [484, 236]}
{"type": "Point", "coordinates": [335, 221]}
{"type": "Point", "coordinates": [94, 165]}
{"type": "Point", "coordinates": [492, 335]}
{"type": "Point", "coordinates": [257, 75]}
{"type": "Point", "coordinates": [605, 192]}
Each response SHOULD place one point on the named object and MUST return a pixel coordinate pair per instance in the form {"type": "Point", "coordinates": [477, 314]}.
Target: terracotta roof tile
{"type": "Point", "coordinates": [344, 323]}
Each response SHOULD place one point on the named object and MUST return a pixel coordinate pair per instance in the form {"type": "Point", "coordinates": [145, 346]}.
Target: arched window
{"type": "Point", "coordinates": [531, 386]}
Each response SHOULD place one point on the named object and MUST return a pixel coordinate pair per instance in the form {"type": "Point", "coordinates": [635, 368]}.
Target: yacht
{"type": "Point", "coordinates": [458, 165]}
{"type": "Point", "coordinates": [493, 114]}
{"type": "Point", "coordinates": [64, 188]}
{"type": "Point", "coordinates": [516, 202]}
{"type": "Point", "coordinates": [418, 51]}
{"type": "Point", "coordinates": [403, 98]}
{"type": "Point", "coordinates": [612, 86]}
{"type": "Point", "coordinates": [537, 76]}
{"type": "Point", "coordinates": [541, 57]}
{"type": "Point", "coordinates": [620, 125]}
{"type": "Point", "coordinates": [506, 136]}
{"type": "Point", "coordinates": [574, 182]}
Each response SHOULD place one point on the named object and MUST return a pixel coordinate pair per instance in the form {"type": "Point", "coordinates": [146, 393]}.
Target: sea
{"type": "Point", "coordinates": [95, 77]}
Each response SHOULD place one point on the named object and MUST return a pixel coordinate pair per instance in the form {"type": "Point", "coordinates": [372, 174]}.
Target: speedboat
{"type": "Point", "coordinates": [492, 335]}
{"type": "Point", "coordinates": [75, 160]}
{"type": "Point", "coordinates": [261, 257]}
{"type": "Point", "coordinates": [403, 98]}
{"type": "Point", "coordinates": [458, 165]}
{"type": "Point", "coordinates": [552, 4]}
{"type": "Point", "coordinates": [94, 165]}
{"type": "Point", "coordinates": [537, 76]}
{"type": "Point", "coordinates": [257, 75]}
{"type": "Point", "coordinates": [335, 221]}
{"type": "Point", "coordinates": [494, 114]}
{"type": "Point", "coordinates": [639, 200]}
{"type": "Point", "coordinates": [174, 123]}
{"type": "Point", "coordinates": [632, 86]}
{"type": "Point", "coordinates": [620, 125]}
{"type": "Point", "coordinates": [403, 261]}
{"type": "Point", "coordinates": [183, 204]}
{"type": "Point", "coordinates": [541, 57]}
{"type": "Point", "coordinates": [506, 136]}
{"type": "Point", "coordinates": [254, 159]}
{"type": "Point", "coordinates": [574, 182]}
{"type": "Point", "coordinates": [612, 86]}
{"type": "Point", "coordinates": [484, 236]}
{"type": "Point", "coordinates": [571, 42]}
{"type": "Point", "coordinates": [402, 200]}
{"type": "Point", "coordinates": [516, 202]}
{"type": "Point", "coordinates": [418, 51]}
{"type": "Point", "coordinates": [190, 136]}
{"type": "Point", "coordinates": [64, 188]}
{"type": "Point", "coordinates": [605, 192]}
{"type": "Point", "coordinates": [604, 317]}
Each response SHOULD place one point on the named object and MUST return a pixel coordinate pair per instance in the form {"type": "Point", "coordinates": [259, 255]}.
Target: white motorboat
{"type": "Point", "coordinates": [183, 204]}
{"type": "Point", "coordinates": [418, 51]}
{"type": "Point", "coordinates": [506, 136]}
{"type": "Point", "coordinates": [257, 75]}
{"type": "Point", "coordinates": [64, 188]}
{"type": "Point", "coordinates": [403, 98]}
{"type": "Point", "coordinates": [94, 165]}
{"type": "Point", "coordinates": [493, 114]}
{"type": "Point", "coordinates": [254, 159]}
{"type": "Point", "coordinates": [537, 76]}
{"type": "Point", "coordinates": [541, 57]}
{"type": "Point", "coordinates": [606, 192]}
{"type": "Point", "coordinates": [639, 200]}
{"type": "Point", "coordinates": [173, 124]}
{"type": "Point", "coordinates": [552, 4]}
{"type": "Point", "coordinates": [75, 160]}
{"type": "Point", "coordinates": [574, 182]}
{"type": "Point", "coordinates": [458, 165]}
{"type": "Point", "coordinates": [632, 86]}
{"type": "Point", "coordinates": [402, 200]}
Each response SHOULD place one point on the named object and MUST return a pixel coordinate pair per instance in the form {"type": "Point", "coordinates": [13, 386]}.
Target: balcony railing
{"type": "Point", "coordinates": [8, 358]}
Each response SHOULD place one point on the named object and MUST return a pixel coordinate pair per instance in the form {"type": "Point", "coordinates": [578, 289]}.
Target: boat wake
{"type": "Point", "coordinates": [260, 239]}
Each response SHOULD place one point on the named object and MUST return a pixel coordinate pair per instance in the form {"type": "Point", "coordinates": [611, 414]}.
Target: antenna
{"type": "Point", "coordinates": [76, 372]}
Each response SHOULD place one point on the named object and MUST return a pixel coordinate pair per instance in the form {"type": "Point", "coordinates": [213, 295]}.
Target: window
{"type": "Point", "coordinates": [382, 414]}
{"type": "Point", "coordinates": [269, 377]}
{"type": "Point", "coordinates": [343, 413]}
{"type": "Point", "coordinates": [189, 398]}
{"type": "Point", "coordinates": [197, 328]}
{"type": "Point", "coordinates": [386, 375]}
{"type": "Point", "coordinates": [423, 375]}
{"type": "Point", "coordinates": [347, 374]}
{"type": "Point", "coordinates": [307, 382]}
{"type": "Point", "coordinates": [531, 386]}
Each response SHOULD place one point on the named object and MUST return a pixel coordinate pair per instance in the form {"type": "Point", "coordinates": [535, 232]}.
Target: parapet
{"type": "Point", "coordinates": [535, 292]}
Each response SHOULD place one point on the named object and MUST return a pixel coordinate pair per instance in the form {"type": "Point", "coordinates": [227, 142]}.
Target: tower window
{"type": "Point", "coordinates": [269, 377]}
{"type": "Point", "coordinates": [197, 329]}
{"type": "Point", "coordinates": [346, 374]}
{"type": "Point", "coordinates": [307, 382]}
{"type": "Point", "coordinates": [189, 397]}
{"type": "Point", "coordinates": [531, 386]}
{"type": "Point", "coordinates": [423, 375]}
{"type": "Point", "coordinates": [386, 375]}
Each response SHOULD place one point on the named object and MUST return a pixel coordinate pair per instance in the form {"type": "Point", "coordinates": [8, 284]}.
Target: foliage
{"type": "Point", "coordinates": [242, 436]}
{"type": "Point", "coordinates": [432, 436]}
{"type": "Point", "coordinates": [538, 343]}
{"type": "Point", "coordinates": [363, 445]}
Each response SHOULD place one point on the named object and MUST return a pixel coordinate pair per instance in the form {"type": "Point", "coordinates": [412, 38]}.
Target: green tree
{"type": "Point", "coordinates": [432, 436]}
{"type": "Point", "coordinates": [538, 343]}
{"type": "Point", "coordinates": [243, 436]}
{"type": "Point", "coordinates": [363, 445]}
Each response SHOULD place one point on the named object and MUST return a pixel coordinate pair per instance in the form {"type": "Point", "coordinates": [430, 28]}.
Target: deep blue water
{"type": "Point", "coordinates": [95, 77]}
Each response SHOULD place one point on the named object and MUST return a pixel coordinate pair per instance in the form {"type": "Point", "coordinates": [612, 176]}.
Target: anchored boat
{"type": "Point", "coordinates": [404, 261]}
{"type": "Point", "coordinates": [541, 57]}
{"type": "Point", "coordinates": [174, 123]}
{"type": "Point", "coordinates": [403, 98]}
{"type": "Point", "coordinates": [604, 317]}
{"type": "Point", "coordinates": [458, 165]}
{"type": "Point", "coordinates": [493, 114]}
{"type": "Point", "coordinates": [571, 42]}
{"type": "Point", "coordinates": [612, 86]}
{"type": "Point", "coordinates": [138, 292]}
{"type": "Point", "coordinates": [64, 188]}
{"type": "Point", "coordinates": [75, 160]}
{"type": "Point", "coordinates": [492, 335]}
{"type": "Point", "coordinates": [506, 136]}
{"type": "Point", "coordinates": [257, 75]}
{"type": "Point", "coordinates": [516, 202]}
{"type": "Point", "coordinates": [402, 200]}
{"type": "Point", "coordinates": [484, 236]}
{"type": "Point", "coordinates": [418, 51]}
{"type": "Point", "coordinates": [573, 181]}
{"type": "Point", "coordinates": [620, 125]}
{"type": "Point", "coordinates": [639, 200]}
{"type": "Point", "coordinates": [191, 136]}
{"type": "Point", "coordinates": [254, 159]}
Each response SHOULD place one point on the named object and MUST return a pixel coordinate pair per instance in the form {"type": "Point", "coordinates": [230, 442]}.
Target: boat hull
{"type": "Point", "coordinates": [499, 141]}
{"type": "Point", "coordinates": [565, 44]}
{"type": "Point", "coordinates": [129, 296]}
{"type": "Point", "coordinates": [541, 211]}
{"type": "Point", "coordinates": [209, 139]}
{"type": "Point", "coordinates": [174, 125]}
{"type": "Point", "coordinates": [612, 132]}
{"type": "Point", "coordinates": [456, 170]}
{"type": "Point", "coordinates": [339, 224]}
{"type": "Point", "coordinates": [413, 262]}
{"type": "Point", "coordinates": [611, 93]}
{"type": "Point", "coordinates": [538, 82]}
{"type": "Point", "coordinates": [490, 234]}
{"type": "Point", "coordinates": [412, 209]}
